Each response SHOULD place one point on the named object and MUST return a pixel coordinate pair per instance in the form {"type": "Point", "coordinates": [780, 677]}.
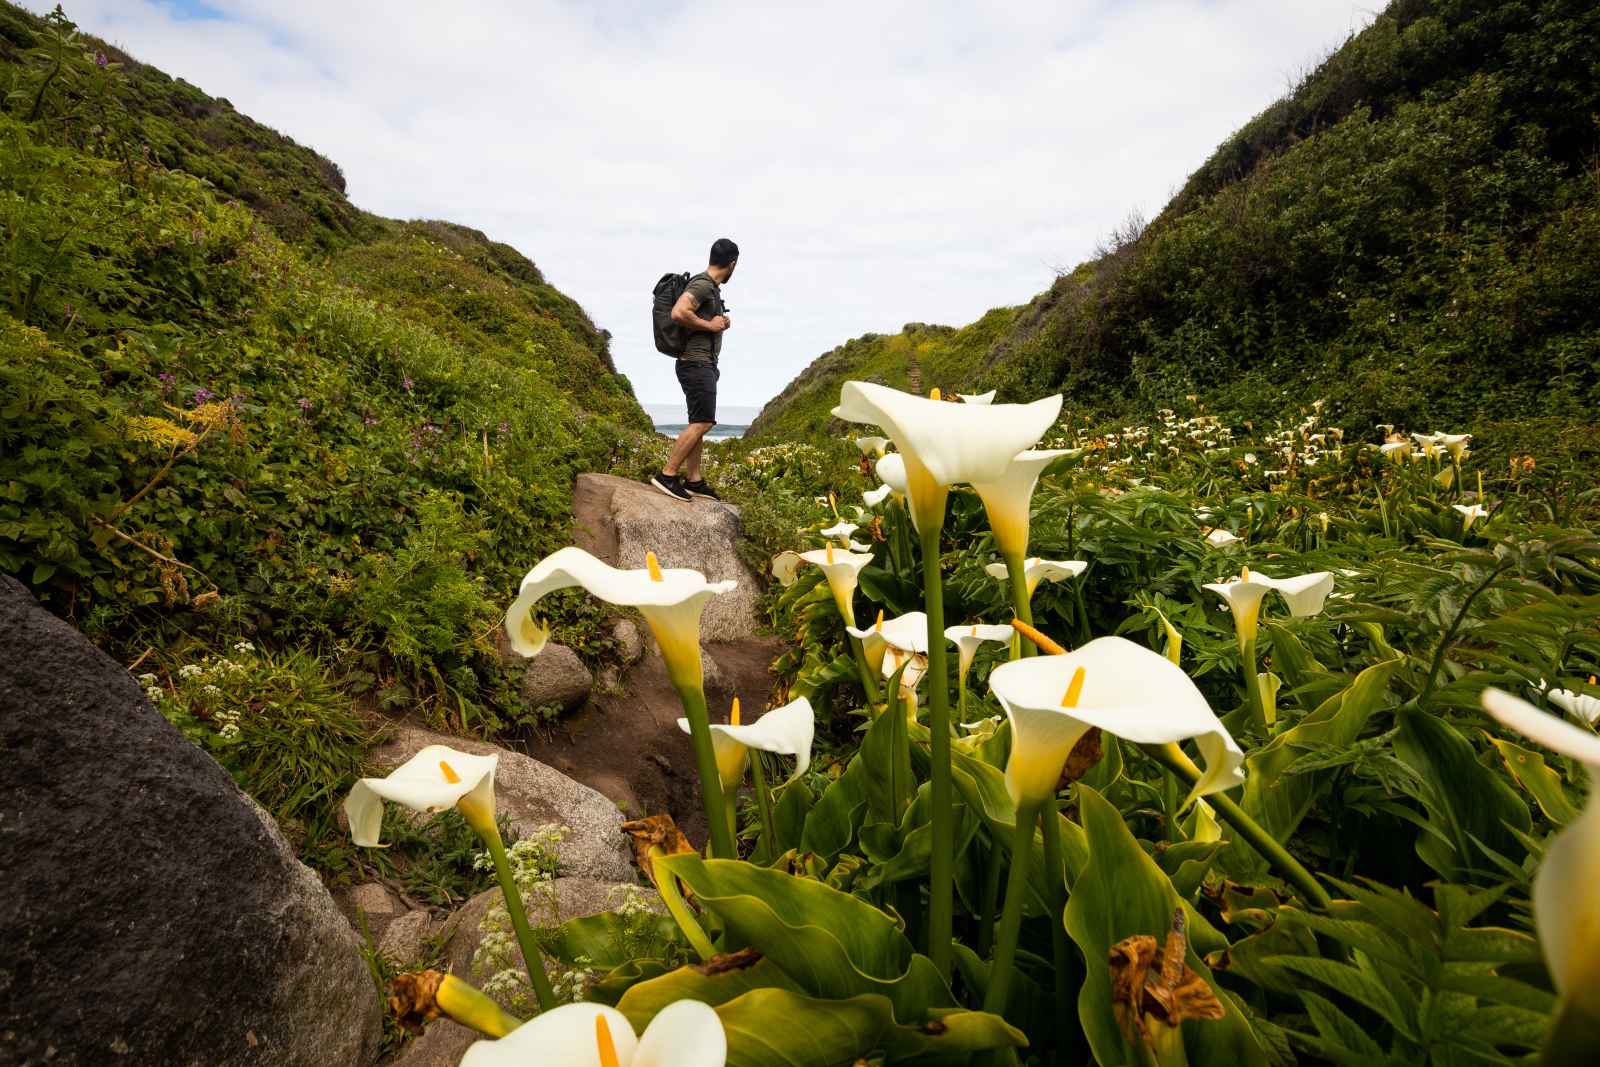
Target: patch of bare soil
{"type": "Point", "coordinates": [629, 747]}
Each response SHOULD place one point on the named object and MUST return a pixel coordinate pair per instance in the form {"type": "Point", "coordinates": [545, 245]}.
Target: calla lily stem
{"type": "Point", "coordinates": [868, 682]}
{"type": "Point", "coordinates": [1021, 601]}
{"type": "Point", "coordinates": [678, 908]}
{"type": "Point", "coordinates": [693, 698]}
{"type": "Point", "coordinates": [1252, 683]}
{"type": "Point", "coordinates": [1005, 951]}
{"type": "Point", "coordinates": [1055, 888]}
{"type": "Point", "coordinates": [519, 919]}
{"type": "Point", "coordinates": [1175, 760]}
{"type": "Point", "coordinates": [941, 872]}
{"type": "Point", "coordinates": [991, 900]}
{"type": "Point", "coordinates": [758, 775]}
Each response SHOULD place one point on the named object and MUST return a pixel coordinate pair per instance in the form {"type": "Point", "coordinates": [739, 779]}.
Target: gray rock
{"type": "Point", "coordinates": [572, 899]}
{"type": "Point", "coordinates": [555, 677]}
{"type": "Point", "coordinates": [534, 795]}
{"type": "Point", "coordinates": [403, 937]}
{"type": "Point", "coordinates": [371, 899]}
{"type": "Point", "coordinates": [441, 1045]}
{"type": "Point", "coordinates": [153, 914]}
{"type": "Point", "coordinates": [619, 520]}
{"type": "Point", "coordinates": [629, 639]}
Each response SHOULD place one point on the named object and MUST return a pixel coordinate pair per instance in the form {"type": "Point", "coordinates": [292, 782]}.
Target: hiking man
{"type": "Point", "coordinates": [700, 312]}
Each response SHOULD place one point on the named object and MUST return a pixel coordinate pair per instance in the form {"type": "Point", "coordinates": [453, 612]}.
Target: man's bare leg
{"type": "Point", "coordinates": [686, 450]}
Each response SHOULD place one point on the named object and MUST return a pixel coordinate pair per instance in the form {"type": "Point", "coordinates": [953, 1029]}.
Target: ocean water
{"type": "Point", "coordinates": [733, 419]}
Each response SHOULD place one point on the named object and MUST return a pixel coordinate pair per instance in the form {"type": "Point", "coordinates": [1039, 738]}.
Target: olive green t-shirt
{"type": "Point", "coordinates": [702, 346]}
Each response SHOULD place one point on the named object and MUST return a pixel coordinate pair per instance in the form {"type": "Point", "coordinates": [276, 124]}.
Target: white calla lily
{"type": "Point", "coordinates": [784, 565]}
{"type": "Point", "coordinates": [872, 446]}
{"type": "Point", "coordinates": [1036, 570]}
{"type": "Point", "coordinates": [1397, 450]}
{"type": "Point", "coordinates": [785, 731]}
{"type": "Point", "coordinates": [978, 398]}
{"type": "Point", "coordinates": [1305, 594]}
{"type": "Point", "coordinates": [671, 600]}
{"type": "Point", "coordinates": [873, 497]}
{"type": "Point", "coordinates": [842, 569]}
{"type": "Point", "coordinates": [943, 444]}
{"type": "Point", "coordinates": [436, 779]}
{"type": "Point", "coordinates": [915, 664]}
{"type": "Point", "coordinates": [1578, 705]}
{"type": "Point", "coordinates": [686, 1033]}
{"type": "Point", "coordinates": [891, 470]}
{"type": "Point", "coordinates": [968, 639]}
{"type": "Point", "coordinates": [1454, 443]}
{"type": "Point", "coordinates": [840, 531]}
{"type": "Point", "coordinates": [1124, 689]}
{"type": "Point", "coordinates": [1566, 908]}
{"type": "Point", "coordinates": [1008, 498]}
{"type": "Point", "coordinates": [903, 633]}
{"type": "Point", "coordinates": [1220, 538]}
{"type": "Point", "coordinates": [1470, 513]}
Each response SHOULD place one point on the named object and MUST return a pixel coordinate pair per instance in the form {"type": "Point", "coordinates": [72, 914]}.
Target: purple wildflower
{"type": "Point", "coordinates": [203, 396]}
{"type": "Point", "coordinates": [305, 405]}
{"type": "Point", "coordinates": [100, 60]}
{"type": "Point", "coordinates": [407, 383]}
{"type": "Point", "coordinates": [370, 420]}
{"type": "Point", "coordinates": [167, 381]}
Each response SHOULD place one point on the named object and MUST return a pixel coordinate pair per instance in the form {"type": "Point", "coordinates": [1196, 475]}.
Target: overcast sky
{"type": "Point", "coordinates": [878, 163]}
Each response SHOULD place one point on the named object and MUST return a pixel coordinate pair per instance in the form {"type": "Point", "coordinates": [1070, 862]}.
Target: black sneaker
{"type": "Point", "coordinates": [670, 484]}
{"type": "Point", "coordinates": [700, 488]}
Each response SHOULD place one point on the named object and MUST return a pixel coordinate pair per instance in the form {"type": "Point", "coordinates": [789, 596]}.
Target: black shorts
{"type": "Point", "coordinates": [699, 381]}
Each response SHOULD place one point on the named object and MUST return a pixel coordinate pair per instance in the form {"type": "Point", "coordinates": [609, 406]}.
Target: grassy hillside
{"type": "Point", "coordinates": [1409, 234]}
{"type": "Point", "coordinates": [235, 409]}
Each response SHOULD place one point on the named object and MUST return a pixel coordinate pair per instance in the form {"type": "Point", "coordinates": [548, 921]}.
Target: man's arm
{"type": "Point", "coordinates": [686, 314]}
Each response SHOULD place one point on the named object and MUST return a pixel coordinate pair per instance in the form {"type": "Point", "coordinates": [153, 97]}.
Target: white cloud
{"type": "Point", "coordinates": [878, 163]}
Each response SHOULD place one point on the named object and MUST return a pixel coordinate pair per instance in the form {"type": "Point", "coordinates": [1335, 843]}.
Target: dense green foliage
{"type": "Point", "coordinates": [233, 406]}
{"type": "Point", "coordinates": [1374, 762]}
{"type": "Point", "coordinates": [1409, 234]}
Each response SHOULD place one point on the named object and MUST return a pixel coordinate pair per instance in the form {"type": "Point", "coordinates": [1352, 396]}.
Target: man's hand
{"type": "Point", "coordinates": [720, 323]}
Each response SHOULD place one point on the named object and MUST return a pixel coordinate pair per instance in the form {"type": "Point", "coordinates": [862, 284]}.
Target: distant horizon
{"type": "Point", "coordinates": [674, 412]}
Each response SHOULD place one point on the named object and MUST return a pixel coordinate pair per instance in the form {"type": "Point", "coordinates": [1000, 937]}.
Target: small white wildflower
{"type": "Point", "coordinates": [147, 678]}
{"type": "Point", "coordinates": [243, 646]}
{"type": "Point", "coordinates": [211, 690]}
{"type": "Point", "coordinates": [191, 670]}
{"type": "Point", "coordinates": [229, 732]}
{"type": "Point", "coordinates": [154, 694]}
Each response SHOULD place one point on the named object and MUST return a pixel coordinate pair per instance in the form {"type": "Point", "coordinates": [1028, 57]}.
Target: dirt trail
{"type": "Point", "coordinates": [628, 745]}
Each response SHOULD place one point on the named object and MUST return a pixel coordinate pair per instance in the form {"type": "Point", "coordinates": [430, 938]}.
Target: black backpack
{"type": "Point", "coordinates": [670, 337]}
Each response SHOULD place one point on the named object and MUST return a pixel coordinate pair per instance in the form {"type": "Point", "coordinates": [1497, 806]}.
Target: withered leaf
{"type": "Point", "coordinates": [729, 961]}
{"type": "Point", "coordinates": [413, 999]}
{"type": "Point", "coordinates": [1084, 755]}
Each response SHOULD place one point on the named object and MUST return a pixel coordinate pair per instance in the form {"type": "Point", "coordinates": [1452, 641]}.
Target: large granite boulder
{"type": "Point", "coordinates": [534, 795]}
{"type": "Point", "coordinates": [619, 520]}
{"type": "Point", "coordinates": [152, 913]}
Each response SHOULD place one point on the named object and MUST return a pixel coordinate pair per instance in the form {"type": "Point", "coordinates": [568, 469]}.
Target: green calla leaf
{"type": "Point", "coordinates": [1472, 805]}
{"type": "Point", "coordinates": [832, 944]}
{"type": "Point", "coordinates": [836, 816]}
{"type": "Point", "coordinates": [1278, 801]}
{"type": "Point", "coordinates": [1122, 892]}
{"type": "Point", "coordinates": [1538, 778]}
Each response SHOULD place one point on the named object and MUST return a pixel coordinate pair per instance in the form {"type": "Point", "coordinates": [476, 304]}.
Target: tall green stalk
{"type": "Point", "coordinates": [1056, 888]}
{"type": "Point", "coordinates": [864, 669]}
{"type": "Point", "coordinates": [531, 955]}
{"type": "Point", "coordinates": [1005, 948]}
{"type": "Point", "coordinates": [1178, 762]}
{"type": "Point", "coordinates": [758, 774]}
{"type": "Point", "coordinates": [693, 698]}
{"type": "Point", "coordinates": [941, 873]}
{"type": "Point", "coordinates": [1252, 683]}
{"type": "Point", "coordinates": [1021, 601]}
{"type": "Point", "coordinates": [678, 908]}
{"type": "Point", "coordinates": [990, 900]}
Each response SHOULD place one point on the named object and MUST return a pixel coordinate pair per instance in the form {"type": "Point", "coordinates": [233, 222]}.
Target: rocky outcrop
{"type": "Point", "coordinates": [152, 913]}
{"type": "Point", "coordinates": [534, 795]}
{"type": "Point", "coordinates": [555, 678]}
{"type": "Point", "coordinates": [619, 520]}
